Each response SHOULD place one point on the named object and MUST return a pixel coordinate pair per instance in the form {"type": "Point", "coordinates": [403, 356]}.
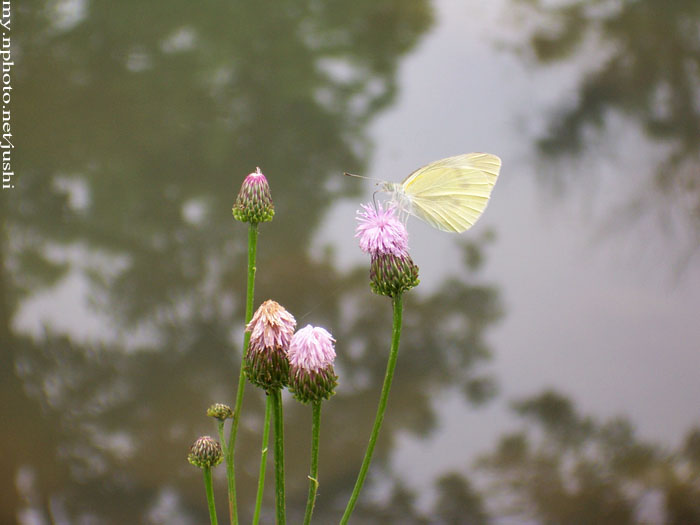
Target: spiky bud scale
{"type": "Point", "coordinates": [392, 275]}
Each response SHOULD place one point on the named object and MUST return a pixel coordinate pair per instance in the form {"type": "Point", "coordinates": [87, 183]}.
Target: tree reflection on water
{"type": "Point", "coordinates": [565, 467]}
{"type": "Point", "coordinates": [143, 120]}
{"type": "Point", "coordinates": [641, 63]}
{"type": "Point", "coordinates": [140, 120]}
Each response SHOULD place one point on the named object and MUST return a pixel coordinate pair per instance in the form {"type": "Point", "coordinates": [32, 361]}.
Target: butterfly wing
{"type": "Point", "coordinates": [452, 193]}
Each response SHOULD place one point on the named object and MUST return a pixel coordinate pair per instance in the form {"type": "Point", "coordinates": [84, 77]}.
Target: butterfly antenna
{"type": "Point", "coordinates": [361, 177]}
{"type": "Point", "coordinates": [354, 175]}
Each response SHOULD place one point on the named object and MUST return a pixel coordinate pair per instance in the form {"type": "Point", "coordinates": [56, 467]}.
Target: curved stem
{"type": "Point", "coordinates": [263, 460]}
{"type": "Point", "coordinates": [210, 495]}
{"type": "Point", "coordinates": [279, 456]}
{"type": "Point", "coordinates": [230, 469]}
{"type": "Point", "coordinates": [313, 475]}
{"type": "Point", "coordinates": [397, 303]}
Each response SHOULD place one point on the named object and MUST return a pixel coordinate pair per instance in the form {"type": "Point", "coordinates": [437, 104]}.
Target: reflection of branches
{"type": "Point", "coordinates": [143, 118]}
{"type": "Point", "coordinates": [150, 124]}
{"type": "Point", "coordinates": [650, 74]}
{"type": "Point", "coordinates": [584, 471]}
{"type": "Point", "coordinates": [457, 504]}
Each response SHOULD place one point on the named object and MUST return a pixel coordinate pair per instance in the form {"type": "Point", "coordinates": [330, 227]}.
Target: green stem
{"type": "Point", "coordinates": [252, 251]}
{"type": "Point", "coordinates": [210, 495]}
{"type": "Point", "coordinates": [279, 456]}
{"type": "Point", "coordinates": [313, 476]}
{"type": "Point", "coordinates": [397, 303]}
{"type": "Point", "coordinates": [263, 459]}
{"type": "Point", "coordinates": [229, 467]}
{"type": "Point", "coordinates": [224, 448]}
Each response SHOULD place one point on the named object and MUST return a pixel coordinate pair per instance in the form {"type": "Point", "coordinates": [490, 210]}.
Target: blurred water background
{"type": "Point", "coordinates": [550, 359]}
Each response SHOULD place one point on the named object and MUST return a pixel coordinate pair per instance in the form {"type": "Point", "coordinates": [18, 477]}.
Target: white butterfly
{"type": "Point", "coordinates": [449, 194]}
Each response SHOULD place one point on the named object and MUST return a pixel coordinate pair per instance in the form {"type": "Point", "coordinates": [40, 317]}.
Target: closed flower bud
{"type": "Point", "coordinates": [392, 275]}
{"type": "Point", "coordinates": [265, 361]}
{"type": "Point", "coordinates": [205, 453]}
{"type": "Point", "coordinates": [254, 201]}
{"type": "Point", "coordinates": [311, 355]}
{"type": "Point", "coordinates": [220, 411]}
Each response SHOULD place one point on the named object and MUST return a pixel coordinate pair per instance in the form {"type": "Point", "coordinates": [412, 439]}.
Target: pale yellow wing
{"type": "Point", "coordinates": [451, 194]}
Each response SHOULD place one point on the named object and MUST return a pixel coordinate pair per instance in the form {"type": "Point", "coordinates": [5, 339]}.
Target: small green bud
{"type": "Point", "coordinates": [205, 452]}
{"type": "Point", "coordinates": [220, 411]}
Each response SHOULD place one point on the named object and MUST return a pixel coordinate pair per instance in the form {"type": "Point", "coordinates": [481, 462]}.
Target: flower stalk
{"type": "Point", "coordinates": [229, 468]}
{"type": "Point", "coordinates": [279, 457]}
{"type": "Point", "coordinates": [263, 460]}
{"type": "Point", "coordinates": [230, 464]}
{"type": "Point", "coordinates": [313, 474]}
{"type": "Point", "coordinates": [397, 303]}
{"type": "Point", "coordinates": [210, 495]}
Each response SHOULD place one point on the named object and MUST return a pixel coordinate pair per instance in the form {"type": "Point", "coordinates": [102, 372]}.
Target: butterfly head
{"type": "Point", "coordinates": [398, 198]}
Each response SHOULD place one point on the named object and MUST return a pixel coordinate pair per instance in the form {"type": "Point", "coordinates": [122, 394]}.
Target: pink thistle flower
{"type": "Point", "coordinates": [311, 349]}
{"type": "Point", "coordinates": [272, 326]}
{"type": "Point", "coordinates": [381, 232]}
{"type": "Point", "coordinates": [265, 360]}
{"type": "Point", "coordinates": [311, 374]}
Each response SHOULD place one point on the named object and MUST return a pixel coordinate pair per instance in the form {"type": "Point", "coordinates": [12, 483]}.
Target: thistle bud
{"type": "Point", "coordinates": [265, 360]}
{"type": "Point", "coordinates": [392, 275]}
{"type": "Point", "coordinates": [254, 201]}
{"type": "Point", "coordinates": [311, 355]}
{"type": "Point", "coordinates": [220, 411]}
{"type": "Point", "coordinates": [205, 453]}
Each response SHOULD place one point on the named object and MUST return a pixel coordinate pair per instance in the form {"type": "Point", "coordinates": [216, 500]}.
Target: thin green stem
{"type": "Point", "coordinates": [263, 460]}
{"type": "Point", "coordinates": [230, 469]}
{"type": "Point", "coordinates": [279, 456]}
{"type": "Point", "coordinates": [313, 475]}
{"type": "Point", "coordinates": [224, 448]}
{"type": "Point", "coordinates": [210, 495]}
{"type": "Point", "coordinates": [397, 303]}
